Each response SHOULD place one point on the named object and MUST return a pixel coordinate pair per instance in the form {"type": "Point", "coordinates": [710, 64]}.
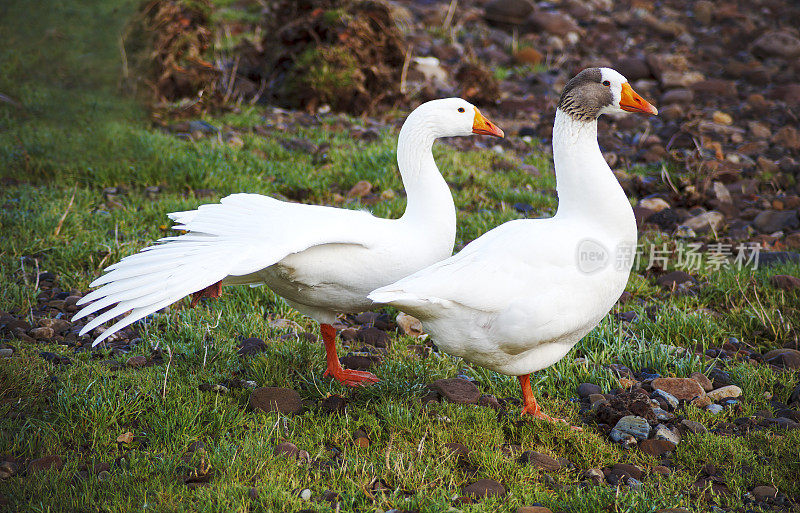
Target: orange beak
{"type": "Point", "coordinates": [481, 125]}
{"type": "Point", "coordinates": [632, 102]}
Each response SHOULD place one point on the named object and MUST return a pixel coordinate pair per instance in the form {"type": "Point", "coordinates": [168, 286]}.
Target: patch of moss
{"type": "Point", "coordinates": [326, 74]}
{"type": "Point", "coordinates": [334, 16]}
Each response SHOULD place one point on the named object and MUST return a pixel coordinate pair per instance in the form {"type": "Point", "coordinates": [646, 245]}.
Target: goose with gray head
{"type": "Point", "coordinates": [323, 261]}
{"type": "Point", "coordinates": [519, 297]}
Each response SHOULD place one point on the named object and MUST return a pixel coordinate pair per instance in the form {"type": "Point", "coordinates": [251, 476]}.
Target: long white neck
{"type": "Point", "coordinates": [585, 184]}
{"type": "Point", "coordinates": [429, 202]}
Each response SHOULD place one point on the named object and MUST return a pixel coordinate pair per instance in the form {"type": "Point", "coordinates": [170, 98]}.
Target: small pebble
{"type": "Point", "coordinates": [595, 475]}
{"type": "Point", "coordinates": [634, 483]}
{"type": "Point", "coordinates": [702, 380]}
{"type": "Point", "coordinates": [136, 361]}
{"type": "Point", "coordinates": [632, 425]}
{"type": "Point", "coordinates": [286, 449]}
{"type": "Point", "coordinates": [763, 493]}
{"type": "Point", "coordinates": [540, 460]}
{"type": "Point", "coordinates": [213, 387]}
{"type": "Point", "coordinates": [485, 488]}
{"type": "Point", "coordinates": [656, 447]}
{"type": "Point", "coordinates": [680, 388]}
{"type": "Point", "coordinates": [662, 414]}
{"type": "Point", "coordinates": [455, 390]}
{"type": "Point", "coordinates": [587, 389]}
{"type": "Point", "coordinates": [665, 433]}
{"type": "Point", "coordinates": [671, 399]}
{"type": "Point", "coordinates": [730, 391]}
{"type": "Point", "coordinates": [270, 399]}
{"type": "Point", "coordinates": [694, 427]}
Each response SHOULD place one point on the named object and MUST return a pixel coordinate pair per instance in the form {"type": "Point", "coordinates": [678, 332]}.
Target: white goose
{"type": "Point", "coordinates": [321, 260]}
{"type": "Point", "coordinates": [518, 298]}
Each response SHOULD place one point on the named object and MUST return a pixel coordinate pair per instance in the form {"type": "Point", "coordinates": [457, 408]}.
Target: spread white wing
{"type": "Point", "coordinates": [241, 234]}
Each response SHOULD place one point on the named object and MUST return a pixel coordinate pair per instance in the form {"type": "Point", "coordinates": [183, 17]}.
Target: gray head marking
{"type": "Point", "coordinates": [585, 96]}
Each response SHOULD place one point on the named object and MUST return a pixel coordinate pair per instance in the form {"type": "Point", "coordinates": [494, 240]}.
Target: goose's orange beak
{"type": "Point", "coordinates": [481, 125]}
{"type": "Point", "coordinates": [632, 102]}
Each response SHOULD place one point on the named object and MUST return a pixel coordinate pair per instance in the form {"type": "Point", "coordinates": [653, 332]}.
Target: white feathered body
{"type": "Point", "coordinates": [513, 301]}
{"type": "Point", "coordinates": [322, 260]}
{"type": "Point", "coordinates": [336, 277]}
{"type": "Point", "coordinates": [517, 299]}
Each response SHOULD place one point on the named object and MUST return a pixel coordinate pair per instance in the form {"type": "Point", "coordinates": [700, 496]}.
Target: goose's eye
{"type": "Point", "coordinates": [606, 83]}
{"type": "Point", "coordinates": [461, 109]}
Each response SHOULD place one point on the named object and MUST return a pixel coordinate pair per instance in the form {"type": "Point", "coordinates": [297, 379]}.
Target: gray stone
{"type": "Point", "coordinates": [665, 433]}
{"type": "Point", "coordinates": [784, 357]}
{"type": "Point", "coordinates": [587, 389]}
{"type": "Point", "coordinates": [671, 281]}
{"type": "Point", "coordinates": [136, 361]}
{"type": "Point", "coordinates": [634, 483]}
{"type": "Point", "coordinates": [777, 44]}
{"type": "Point", "coordinates": [287, 449]}
{"type": "Point", "coordinates": [785, 281]}
{"type": "Point", "coordinates": [694, 427]}
{"type": "Point", "coordinates": [595, 475]}
{"type": "Point", "coordinates": [511, 12]}
{"type": "Point", "coordinates": [771, 221]}
{"type": "Point", "coordinates": [8, 469]}
{"type": "Point", "coordinates": [540, 460]}
{"type": "Point", "coordinates": [627, 470]}
{"type": "Point", "coordinates": [762, 493]}
{"type": "Point", "coordinates": [54, 462]}
{"type": "Point", "coordinates": [630, 425]}
{"type": "Point", "coordinates": [716, 409]}
{"type": "Point", "coordinates": [662, 414]}
{"type": "Point", "coordinates": [671, 399]}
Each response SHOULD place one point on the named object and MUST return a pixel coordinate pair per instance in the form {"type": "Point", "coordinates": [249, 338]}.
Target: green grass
{"type": "Point", "coordinates": [75, 135]}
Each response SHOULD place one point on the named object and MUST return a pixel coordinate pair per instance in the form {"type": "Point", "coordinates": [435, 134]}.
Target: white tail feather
{"type": "Point", "coordinates": [242, 234]}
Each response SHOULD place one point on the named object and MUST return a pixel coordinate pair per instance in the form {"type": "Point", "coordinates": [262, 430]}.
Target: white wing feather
{"type": "Point", "coordinates": [241, 234]}
{"type": "Point", "coordinates": [485, 275]}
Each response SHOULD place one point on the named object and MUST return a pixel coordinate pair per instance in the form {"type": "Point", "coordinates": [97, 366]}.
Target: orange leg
{"type": "Point", "coordinates": [531, 406]}
{"type": "Point", "coordinates": [214, 290]}
{"type": "Point", "coordinates": [348, 377]}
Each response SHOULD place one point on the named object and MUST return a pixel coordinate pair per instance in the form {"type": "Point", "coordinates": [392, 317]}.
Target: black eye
{"type": "Point", "coordinates": [461, 109]}
{"type": "Point", "coordinates": [606, 83]}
